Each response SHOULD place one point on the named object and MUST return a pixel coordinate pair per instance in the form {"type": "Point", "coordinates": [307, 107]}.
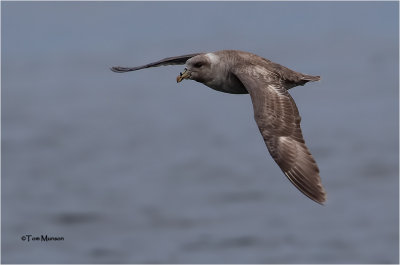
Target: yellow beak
{"type": "Point", "coordinates": [184, 75]}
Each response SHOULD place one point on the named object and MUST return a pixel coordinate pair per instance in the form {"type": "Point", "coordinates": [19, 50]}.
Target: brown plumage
{"type": "Point", "coordinates": [275, 111]}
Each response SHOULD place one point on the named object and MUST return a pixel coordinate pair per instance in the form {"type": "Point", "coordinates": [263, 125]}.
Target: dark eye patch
{"type": "Point", "coordinates": [198, 64]}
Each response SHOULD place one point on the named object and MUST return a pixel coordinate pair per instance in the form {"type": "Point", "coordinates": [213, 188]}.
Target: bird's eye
{"type": "Point", "coordinates": [198, 64]}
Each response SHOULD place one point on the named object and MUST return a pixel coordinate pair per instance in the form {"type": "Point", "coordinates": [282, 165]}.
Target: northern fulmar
{"type": "Point", "coordinates": [275, 112]}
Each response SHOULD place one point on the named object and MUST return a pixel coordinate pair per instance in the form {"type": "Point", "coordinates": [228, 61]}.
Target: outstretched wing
{"type": "Point", "coordinates": [176, 60]}
{"type": "Point", "coordinates": [278, 119]}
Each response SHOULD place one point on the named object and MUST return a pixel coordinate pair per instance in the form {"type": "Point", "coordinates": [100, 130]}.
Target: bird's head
{"type": "Point", "coordinates": [198, 68]}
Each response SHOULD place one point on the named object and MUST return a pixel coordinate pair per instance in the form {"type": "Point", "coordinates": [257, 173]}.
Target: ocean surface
{"type": "Point", "coordinates": [135, 168]}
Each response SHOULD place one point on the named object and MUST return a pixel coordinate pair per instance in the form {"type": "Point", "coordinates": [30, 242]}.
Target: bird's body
{"type": "Point", "coordinates": [275, 111]}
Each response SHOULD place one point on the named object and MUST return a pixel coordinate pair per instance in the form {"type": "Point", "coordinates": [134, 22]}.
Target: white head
{"type": "Point", "coordinates": [200, 68]}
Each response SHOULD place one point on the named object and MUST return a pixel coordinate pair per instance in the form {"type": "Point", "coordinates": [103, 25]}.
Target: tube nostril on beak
{"type": "Point", "coordinates": [184, 75]}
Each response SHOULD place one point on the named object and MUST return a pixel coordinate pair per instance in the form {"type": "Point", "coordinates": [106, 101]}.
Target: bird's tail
{"type": "Point", "coordinates": [311, 78]}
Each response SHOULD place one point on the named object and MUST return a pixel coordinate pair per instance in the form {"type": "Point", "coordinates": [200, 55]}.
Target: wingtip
{"type": "Point", "coordinates": [321, 198]}
{"type": "Point", "coordinates": [317, 194]}
{"type": "Point", "coordinates": [117, 69]}
{"type": "Point", "coordinates": [318, 198]}
{"type": "Point", "coordinates": [320, 201]}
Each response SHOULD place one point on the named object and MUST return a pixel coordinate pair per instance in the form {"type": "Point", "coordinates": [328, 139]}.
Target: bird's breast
{"type": "Point", "coordinates": [231, 84]}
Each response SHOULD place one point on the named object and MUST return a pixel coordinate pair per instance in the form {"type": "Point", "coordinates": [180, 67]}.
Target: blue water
{"type": "Point", "coordinates": [134, 168]}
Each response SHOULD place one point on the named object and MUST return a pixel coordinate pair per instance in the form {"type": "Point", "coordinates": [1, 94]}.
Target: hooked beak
{"type": "Point", "coordinates": [184, 75]}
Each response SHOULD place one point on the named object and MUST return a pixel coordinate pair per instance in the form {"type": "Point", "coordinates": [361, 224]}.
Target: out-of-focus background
{"type": "Point", "coordinates": [134, 168]}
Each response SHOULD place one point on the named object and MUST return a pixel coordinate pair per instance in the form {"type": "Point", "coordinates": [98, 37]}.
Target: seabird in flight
{"type": "Point", "coordinates": [275, 111]}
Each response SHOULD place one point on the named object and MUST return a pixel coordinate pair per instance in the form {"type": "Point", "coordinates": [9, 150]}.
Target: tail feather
{"type": "Point", "coordinates": [311, 78]}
